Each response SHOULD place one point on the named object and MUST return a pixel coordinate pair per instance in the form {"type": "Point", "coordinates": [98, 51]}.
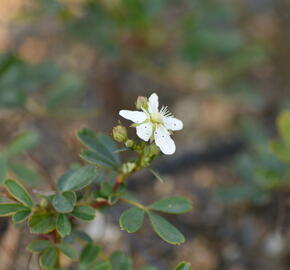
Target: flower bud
{"type": "Point", "coordinates": [142, 102]}
{"type": "Point", "coordinates": [129, 143]}
{"type": "Point", "coordinates": [120, 133]}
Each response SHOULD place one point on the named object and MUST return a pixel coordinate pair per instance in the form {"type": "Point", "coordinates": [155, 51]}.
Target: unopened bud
{"type": "Point", "coordinates": [120, 133]}
{"type": "Point", "coordinates": [129, 143]}
{"type": "Point", "coordinates": [142, 102]}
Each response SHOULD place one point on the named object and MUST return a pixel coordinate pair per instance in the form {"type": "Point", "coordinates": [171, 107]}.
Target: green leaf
{"type": "Point", "coordinates": [183, 266]}
{"type": "Point", "coordinates": [38, 245]}
{"type": "Point", "coordinates": [25, 173]}
{"type": "Point", "coordinates": [89, 253]}
{"type": "Point", "coordinates": [48, 258]}
{"type": "Point", "coordinates": [64, 203]}
{"type": "Point", "coordinates": [96, 159]}
{"type": "Point", "coordinates": [172, 205]}
{"type": "Point", "coordinates": [83, 212]}
{"type": "Point", "coordinates": [283, 123]}
{"type": "Point", "coordinates": [132, 219]}
{"type": "Point", "coordinates": [19, 192]}
{"type": "Point", "coordinates": [105, 189]}
{"type": "Point", "coordinates": [101, 144]}
{"type": "Point", "coordinates": [280, 150]}
{"type": "Point", "coordinates": [77, 179]}
{"type": "Point", "coordinates": [63, 225]}
{"type": "Point", "coordinates": [165, 230]}
{"type": "Point", "coordinates": [66, 89]}
{"type": "Point", "coordinates": [40, 223]}
{"type": "Point", "coordinates": [148, 268]}
{"type": "Point", "coordinates": [8, 209]}
{"type": "Point", "coordinates": [104, 265]}
{"type": "Point", "coordinates": [120, 261]}
{"type": "Point", "coordinates": [3, 168]}
{"type": "Point", "coordinates": [82, 236]}
{"type": "Point", "coordinates": [68, 251]}
{"type": "Point", "coordinates": [22, 143]}
{"type": "Point", "coordinates": [21, 216]}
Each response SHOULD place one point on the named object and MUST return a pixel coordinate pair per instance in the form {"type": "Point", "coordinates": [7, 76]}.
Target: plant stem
{"type": "Point", "coordinates": [134, 204]}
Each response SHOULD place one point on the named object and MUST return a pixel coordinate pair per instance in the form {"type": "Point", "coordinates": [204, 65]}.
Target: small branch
{"type": "Point", "coordinates": [29, 261]}
{"type": "Point", "coordinates": [134, 203]}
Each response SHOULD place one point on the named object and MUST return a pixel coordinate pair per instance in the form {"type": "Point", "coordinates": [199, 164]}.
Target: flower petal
{"type": "Point", "coordinates": [144, 131]}
{"type": "Point", "coordinates": [135, 116]}
{"type": "Point", "coordinates": [172, 123]}
{"type": "Point", "coordinates": [164, 141]}
{"type": "Point", "coordinates": [153, 103]}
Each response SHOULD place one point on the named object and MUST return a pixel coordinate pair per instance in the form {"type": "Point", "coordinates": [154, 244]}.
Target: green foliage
{"type": "Point", "coordinates": [63, 225]}
{"type": "Point", "coordinates": [283, 124]}
{"type": "Point", "coordinates": [21, 216]}
{"type": "Point", "coordinates": [41, 223]}
{"type": "Point", "coordinates": [8, 209]}
{"type": "Point", "coordinates": [101, 149]}
{"type": "Point", "coordinates": [48, 258]}
{"type": "Point", "coordinates": [64, 203]}
{"type": "Point", "coordinates": [83, 212]}
{"type": "Point", "coordinates": [77, 179]}
{"type": "Point", "coordinates": [183, 266]}
{"type": "Point", "coordinates": [88, 255]}
{"type": "Point", "coordinates": [3, 168]}
{"type": "Point", "coordinates": [37, 246]}
{"type": "Point", "coordinates": [104, 265]}
{"type": "Point", "coordinates": [68, 251]}
{"type": "Point", "coordinates": [132, 219]}
{"type": "Point", "coordinates": [120, 261]}
{"type": "Point", "coordinates": [19, 192]}
{"type": "Point", "coordinates": [172, 205]}
{"type": "Point", "coordinates": [21, 143]}
{"type": "Point", "coordinates": [165, 230]}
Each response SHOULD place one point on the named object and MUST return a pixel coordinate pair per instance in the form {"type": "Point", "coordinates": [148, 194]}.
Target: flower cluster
{"type": "Point", "coordinates": [154, 124]}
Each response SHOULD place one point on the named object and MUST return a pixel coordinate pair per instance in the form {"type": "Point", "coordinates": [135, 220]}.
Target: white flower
{"type": "Point", "coordinates": [155, 124]}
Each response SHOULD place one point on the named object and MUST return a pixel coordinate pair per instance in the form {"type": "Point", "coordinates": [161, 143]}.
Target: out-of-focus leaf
{"type": "Point", "coordinates": [3, 168]}
{"type": "Point", "coordinates": [68, 251]}
{"type": "Point", "coordinates": [63, 225]}
{"type": "Point", "coordinates": [283, 123]}
{"type": "Point", "coordinates": [26, 174]}
{"type": "Point", "coordinates": [67, 88]}
{"type": "Point", "coordinates": [8, 209]}
{"type": "Point", "coordinates": [89, 254]}
{"type": "Point", "coordinates": [104, 265]}
{"type": "Point", "coordinates": [183, 266]}
{"type": "Point", "coordinates": [120, 261]}
{"type": "Point", "coordinates": [22, 143]}
{"type": "Point", "coordinates": [281, 151]}
{"type": "Point", "coordinates": [48, 258]}
{"type": "Point", "coordinates": [38, 245]}
{"type": "Point", "coordinates": [64, 203]}
{"type": "Point", "coordinates": [41, 223]}
{"type": "Point", "coordinates": [85, 213]}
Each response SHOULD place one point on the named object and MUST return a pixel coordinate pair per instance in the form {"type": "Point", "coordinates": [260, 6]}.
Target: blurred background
{"type": "Point", "coordinates": [222, 66]}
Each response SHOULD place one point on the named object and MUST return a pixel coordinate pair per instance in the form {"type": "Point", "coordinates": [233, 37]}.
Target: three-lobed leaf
{"type": "Point", "coordinates": [172, 205]}
{"type": "Point", "coordinates": [166, 230]}
{"type": "Point", "coordinates": [19, 192]}
{"type": "Point", "coordinates": [132, 219]}
{"type": "Point", "coordinates": [77, 179]}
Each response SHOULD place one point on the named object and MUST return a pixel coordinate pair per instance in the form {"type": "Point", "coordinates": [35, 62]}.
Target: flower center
{"type": "Point", "coordinates": [156, 118]}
